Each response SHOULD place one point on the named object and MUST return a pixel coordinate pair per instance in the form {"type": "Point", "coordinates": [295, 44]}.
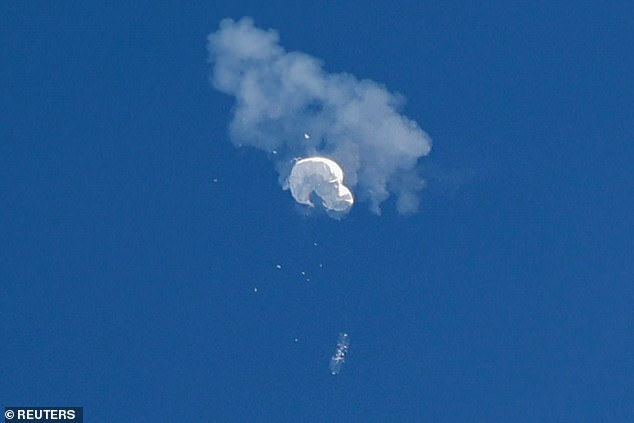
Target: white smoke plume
{"type": "Point", "coordinates": [287, 105]}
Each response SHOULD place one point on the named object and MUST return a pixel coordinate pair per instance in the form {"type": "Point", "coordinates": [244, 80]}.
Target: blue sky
{"type": "Point", "coordinates": [128, 273]}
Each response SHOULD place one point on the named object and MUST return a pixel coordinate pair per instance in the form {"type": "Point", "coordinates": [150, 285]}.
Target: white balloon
{"type": "Point", "coordinates": [323, 177]}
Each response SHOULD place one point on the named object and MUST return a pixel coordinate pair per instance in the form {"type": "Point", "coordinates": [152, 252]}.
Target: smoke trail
{"type": "Point", "coordinates": [288, 105]}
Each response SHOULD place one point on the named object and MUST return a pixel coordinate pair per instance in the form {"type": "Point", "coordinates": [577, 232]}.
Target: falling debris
{"type": "Point", "coordinates": [339, 357]}
{"type": "Point", "coordinates": [306, 136]}
{"type": "Point", "coordinates": [278, 266]}
{"type": "Point", "coordinates": [322, 177]}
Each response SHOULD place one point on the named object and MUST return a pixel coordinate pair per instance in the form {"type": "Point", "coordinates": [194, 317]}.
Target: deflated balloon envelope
{"type": "Point", "coordinates": [323, 177]}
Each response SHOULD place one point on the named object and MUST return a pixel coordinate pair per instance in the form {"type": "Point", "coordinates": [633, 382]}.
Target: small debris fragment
{"type": "Point", "coordinates": [339, 357]}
